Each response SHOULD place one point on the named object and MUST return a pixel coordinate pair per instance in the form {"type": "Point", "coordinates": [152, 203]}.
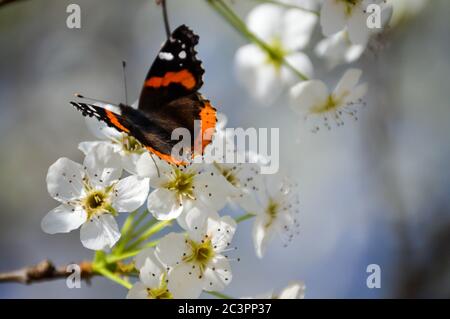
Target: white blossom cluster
{"type": "Point", "coordinates": [184, 263]}
{"type": "Point", "coordinates": [287, 28]}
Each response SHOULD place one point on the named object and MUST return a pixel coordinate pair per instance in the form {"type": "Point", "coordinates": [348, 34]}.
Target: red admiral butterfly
{"type": "Point", "coordinates": [169, 100]}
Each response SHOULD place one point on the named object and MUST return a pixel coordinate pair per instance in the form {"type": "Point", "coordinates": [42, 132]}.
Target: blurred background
{"type": "Point", "coordinates": [376, 191]}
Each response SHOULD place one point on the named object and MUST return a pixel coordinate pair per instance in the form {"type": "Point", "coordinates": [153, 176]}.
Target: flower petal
{"type": "Point", "coordinates": [164, 204]}
{"type": "Point", "coordinates": [63, 219]}
{"type": "Point", "coordinates": [152, 271]}
{"type": "Point", "coordinates": [129, 162]}
{"type": "Point", "coordinates": [261, 235]}
{"type": "Point", "coordinates": [247, 202]}
{"type": "Point", "coordinates": [307, 95]}
{"type": "Point", "coordinates": [300, 62]}
{"type": "Point", "coordinates": [348, 81]}
{"type": "Point", "coordinates": [103, 165]}
{"type": "Point", "coordinates": [268, 84]}
{"type": "Point", "coordinates": [212, 189]}
{"type": "Point", "coordinates": [338, 49]}
{"type": "Point", "coordinates": [358, 31]}
{"type": "Point", "coordinates": [148, 253]}
{"type": "Point", "coordinates": [332, 17]}
{"type": "Point", "coordinates": [65, 180]}
{"type": "Point", "coordinates": [248, 58]}
{"type": "Point", "coordinates": [222, 232]}
{"type": "Point", "coordinates": [265, 21]}
{"type": "Point", "coordinates": [183, 283]}
{"type": "Point", "coordinates": [170, 248]}
{"type": "Point", "coordinates": [100, 232]}
{"type": "Point", "coordinates": [387, 12]}
{"type": "Point", "coordinates": [195, 221]}
{"type": "Point", "coordinates": [255, 72]}
{"type": "Point", "coordinates": [357, 93]}
{"type": "Point", "coordinates": [220, 277]}
{"type": "Point", "coordinates": [130, 193]}
{"type": "Point", "coordinates": [295, 290]}
{"type": "Point", "coordinates": [354, 52]}
{"type": "Point", "coordinates": [150, 166]}
{"type": "Point", "coordinates": [138, 291]}
{"type": "Point", "coordinates": [86, 147]}
{"type": "Point", "coordinates": [297, 29]}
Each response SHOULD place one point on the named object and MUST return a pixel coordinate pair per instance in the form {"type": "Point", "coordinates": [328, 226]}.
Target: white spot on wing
{"type": "Point", "coordinates": [182, 55]}
{"type": "Point", "coordinates": [165, 56]}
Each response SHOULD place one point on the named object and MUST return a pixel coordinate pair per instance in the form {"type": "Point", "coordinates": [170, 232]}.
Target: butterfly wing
{"type": "Point", "coordinates": [156, 134]}
{"type": "Point", "coordinates": [155, 138]}
{"type": "Point", "coordinates": [110, 118]}
{"type": "Point", "coordinates": [194, 113]}
{"type": "Point", "coordinates": [175, 73]}
{"type": "Point", "coordinates": [170, 91]}
{"type": "Point", "coordinates": [169, 100]}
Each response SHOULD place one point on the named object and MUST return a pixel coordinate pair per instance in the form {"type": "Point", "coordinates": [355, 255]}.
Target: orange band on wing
{"type": "Point", "coordinates": [165, 157]}
{"type": "Point", "coordinates": [208, 119]}
{"type": "Point", "coordinates": [183, 77]}
{"type": "Point", "coordinates": [115, 121]}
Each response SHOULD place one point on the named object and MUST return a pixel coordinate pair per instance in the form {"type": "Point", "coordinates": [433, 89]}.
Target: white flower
{"type": "Point", "coordinates": [337, 15]}
{"type": "Point", "coordinates": [278, 214]}
{"type": "Point", "coordinates": [196, 257]}
{"type": "Point", "coordinates": [129, 149]}
{"type": "Point", "coordinates": [338, 49]}
{"type": "Point", "coordinates": [91, 195]}
{"type": "Point", "coordinates": [179, 188]}
{"type": "Point", "coordinates": [243, 178]}
{"type": "Point", "coordinates": [154, 280]}
{"type": "Point", "coordinates": [286, 32]}
{"type": "Point", "coordinates": [295, 290]}
{"type": "Point", "coordinates": [313, 100]}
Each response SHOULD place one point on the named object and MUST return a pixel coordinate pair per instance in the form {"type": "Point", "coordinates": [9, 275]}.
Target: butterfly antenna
{"type": "Point", "coordinates": [93, 100]}
{"type": "Point", "coordinates": [124, 66]}
{"type": "Point", "coordinates": [165, 17]}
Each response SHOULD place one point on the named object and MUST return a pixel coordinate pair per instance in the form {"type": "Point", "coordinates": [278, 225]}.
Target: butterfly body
{"type": "Point", "coordinates": [169, 100]}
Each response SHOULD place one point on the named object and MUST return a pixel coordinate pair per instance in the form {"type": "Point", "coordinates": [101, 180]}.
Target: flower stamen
{"type": "Point", "coordinates": [181, 183]}
{"type": "Point", "coordinates": [201, 253]}
{"type": "Point", "coordinates": [161, 292]}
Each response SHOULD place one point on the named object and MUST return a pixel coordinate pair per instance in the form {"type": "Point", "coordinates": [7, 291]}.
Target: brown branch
{"type": "Point", "coordinates": [45, 271]}
{"type": "Point", "coordinates": [5, 2]}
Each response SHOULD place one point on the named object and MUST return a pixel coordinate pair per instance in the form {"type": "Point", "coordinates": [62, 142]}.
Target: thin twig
{"type": "Point", "coordinates": [165, 16]}
{"type": "Point", "coordinates": [244, 217]}
{"type": "Point", "coordinates": [45, 271]}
